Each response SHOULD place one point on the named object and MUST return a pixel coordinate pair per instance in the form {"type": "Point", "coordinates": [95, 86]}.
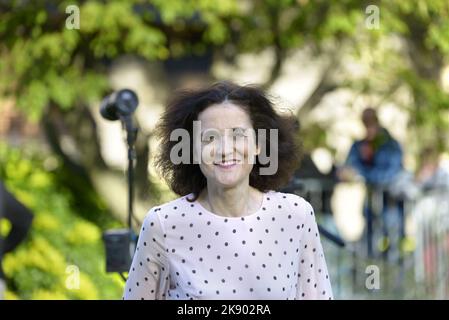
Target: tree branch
{"type": "Point", "coordinates": [325, 85]}
{"type": "Point", "coordinates": [279, 50]}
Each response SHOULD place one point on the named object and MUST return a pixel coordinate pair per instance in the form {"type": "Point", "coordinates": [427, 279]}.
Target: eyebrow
{"type": "Point", "coordinates": [225, 129]}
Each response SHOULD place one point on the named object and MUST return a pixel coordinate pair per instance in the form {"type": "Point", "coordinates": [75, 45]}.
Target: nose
{"type": "Point", "coordinates": [226, 148]}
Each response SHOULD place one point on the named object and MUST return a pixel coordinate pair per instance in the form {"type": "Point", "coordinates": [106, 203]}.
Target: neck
{"type": "Point", "coordinates": [233, 202]}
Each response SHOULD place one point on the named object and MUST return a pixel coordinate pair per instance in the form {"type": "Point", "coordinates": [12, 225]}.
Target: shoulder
{"type": "Point", "coordinates": [355, 146]}
{"type": "Point", "coordinates": [357, 142]}
{"type": "Point", "coordinates": [391, 146]}
{"type": "Point", "coordinates": [295, 204]}
{"type": "Point", "coordinates": [395, 143]}
{"type": "Point", "coordinates": [390, 139]}
{"type": "Point", "coordinates": [170, 209]}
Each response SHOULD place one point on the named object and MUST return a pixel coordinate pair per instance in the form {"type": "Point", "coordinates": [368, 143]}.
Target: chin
{"type": "Point", "coordinates": [226, 179]}
{"type": "Point", "coordinates": [228, 183]}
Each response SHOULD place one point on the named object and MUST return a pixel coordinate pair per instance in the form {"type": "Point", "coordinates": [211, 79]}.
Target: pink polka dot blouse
{"type": "Point", "coordinates": [187, 252]}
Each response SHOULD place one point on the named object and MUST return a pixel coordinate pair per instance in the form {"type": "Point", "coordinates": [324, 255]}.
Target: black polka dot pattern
{"type": "Point", "coordinates": [187, 252]}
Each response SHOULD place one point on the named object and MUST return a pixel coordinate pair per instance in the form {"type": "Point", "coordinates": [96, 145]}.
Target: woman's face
{"type": "Point", "coordinates": [227, 145]}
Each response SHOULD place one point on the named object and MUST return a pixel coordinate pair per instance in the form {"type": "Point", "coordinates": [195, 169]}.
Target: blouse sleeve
{"type": "Point", "coordinates": [313, 277]}
{"type": "Point", "coordinates": [148, 277]}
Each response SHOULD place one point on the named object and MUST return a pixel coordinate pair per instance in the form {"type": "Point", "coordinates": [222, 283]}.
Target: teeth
{"type": "Point", "coordinates": [227, 163]}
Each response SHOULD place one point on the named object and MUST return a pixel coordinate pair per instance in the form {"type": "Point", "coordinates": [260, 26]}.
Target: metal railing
{"type": "Point", "coordinates": [411, 266]}
{"type": "Point", "coordinates": [431, 256]}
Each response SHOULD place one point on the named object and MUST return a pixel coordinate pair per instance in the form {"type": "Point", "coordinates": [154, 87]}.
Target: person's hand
{"type": "Point", "coordinates": [346, 174]}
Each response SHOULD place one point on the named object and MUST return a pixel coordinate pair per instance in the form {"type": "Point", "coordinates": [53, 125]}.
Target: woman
{"type": "Point", "coordinates": [229, 235]}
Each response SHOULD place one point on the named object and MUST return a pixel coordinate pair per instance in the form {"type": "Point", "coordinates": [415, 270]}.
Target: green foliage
{"type": "Point", "coordinates": [43, 61]}
{"type": "Point", "coordinates": [59, 237]}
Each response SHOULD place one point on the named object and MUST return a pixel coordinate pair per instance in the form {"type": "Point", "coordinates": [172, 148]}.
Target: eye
{"type": "Point", "coordinates": [208, 138]}
{"type": "Point", "coordinates": [238, 132]}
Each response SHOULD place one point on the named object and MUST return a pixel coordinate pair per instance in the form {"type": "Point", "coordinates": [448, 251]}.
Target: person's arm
{"type": "Point", "coordinates": [354, 160]}
{"type": "Point", "coordinates": [313, 277]}
{"type": "Point", "coordinates": [148, 277]}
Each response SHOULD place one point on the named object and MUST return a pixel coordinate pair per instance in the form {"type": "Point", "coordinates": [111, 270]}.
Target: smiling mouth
{"type": "Point", "coordinates": [227, 164]}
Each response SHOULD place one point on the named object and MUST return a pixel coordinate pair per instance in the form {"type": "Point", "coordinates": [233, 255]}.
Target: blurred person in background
{"type": "Point", "coordinates": [377, 160]}
{"type": "Point", "coordinates": [20, 219]}
{"type": "Point", "coordinates": [430, 175]}
{"type": "Point", "coordinates": [431, 213]}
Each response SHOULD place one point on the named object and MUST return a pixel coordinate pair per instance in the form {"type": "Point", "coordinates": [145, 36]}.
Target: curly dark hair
{"type": "Point", "coordinates": [185, 107]}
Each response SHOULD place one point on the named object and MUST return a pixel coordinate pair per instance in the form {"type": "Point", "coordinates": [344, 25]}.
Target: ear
{"type": "Point", "coordinates": [258, 150]}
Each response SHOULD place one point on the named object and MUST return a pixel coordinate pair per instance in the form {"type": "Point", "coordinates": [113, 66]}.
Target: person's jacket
{"type": "Point", "coordinates": [385, 164]}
